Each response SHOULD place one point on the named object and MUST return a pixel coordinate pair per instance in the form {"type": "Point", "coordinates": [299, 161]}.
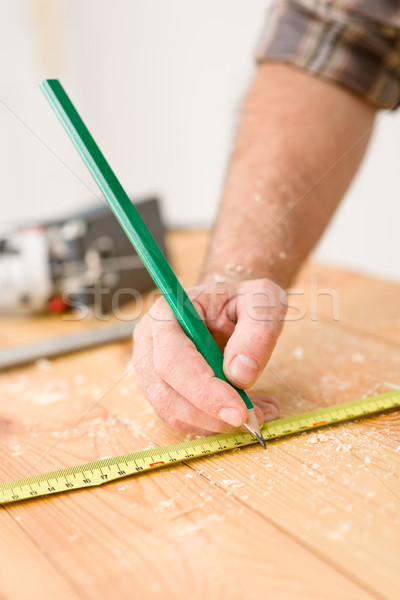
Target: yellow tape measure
{"type": "Point", "coordinates": [109, 469]}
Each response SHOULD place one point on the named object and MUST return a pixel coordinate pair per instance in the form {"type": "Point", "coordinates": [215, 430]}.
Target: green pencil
{"type": "Point", "coordinates": [141, 239]}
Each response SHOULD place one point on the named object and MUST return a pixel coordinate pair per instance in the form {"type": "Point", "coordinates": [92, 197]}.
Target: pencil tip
{"type": "Point", "coordinates": [261, 440]}
{"type": "Point", "coordinates": [252, 425]}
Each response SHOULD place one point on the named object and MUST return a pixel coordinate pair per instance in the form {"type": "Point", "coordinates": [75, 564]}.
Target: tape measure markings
{"type": "Point", "coordinates": [109, 469]}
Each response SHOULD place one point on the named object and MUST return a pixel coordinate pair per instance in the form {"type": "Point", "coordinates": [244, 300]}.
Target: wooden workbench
{"type": "Point", "coordinates": [316, 516]}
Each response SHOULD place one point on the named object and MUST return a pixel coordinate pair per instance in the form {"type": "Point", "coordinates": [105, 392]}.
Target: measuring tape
{"type": "Point", "coordinates": [108, 469]}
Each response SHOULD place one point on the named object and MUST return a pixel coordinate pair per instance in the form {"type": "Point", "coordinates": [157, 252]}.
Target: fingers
{"type": "Point", "coordinates": [268, 406]}
{"type": "Point", "coordinates": [176, 410]}
{"type": "Point", "coordinates": [180, 414]}
{"type": "Point", "coordinates": [175, 362]}
{"type": "Point", "coordinates": [179, 382]}
{"type": "Point", "coordinates": [259, 312]}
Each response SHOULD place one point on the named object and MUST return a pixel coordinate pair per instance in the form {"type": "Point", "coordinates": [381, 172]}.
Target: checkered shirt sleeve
{"type": "Point", "coordinates": [354, 43]}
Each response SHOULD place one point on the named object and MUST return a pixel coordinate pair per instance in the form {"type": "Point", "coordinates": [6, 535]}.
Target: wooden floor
{"type": "Point", "coordinates": [315, 517]}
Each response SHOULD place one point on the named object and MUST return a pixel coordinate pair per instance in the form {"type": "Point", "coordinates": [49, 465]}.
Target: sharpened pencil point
{"type": "Point", "coordinates": [252, 425]}
{"type": "Point", "coordinates": [261, 440]}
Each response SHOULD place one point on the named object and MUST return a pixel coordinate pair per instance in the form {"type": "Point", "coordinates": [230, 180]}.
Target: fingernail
{"type": "Point", "coordinates": [231, 416]}
{"type": "Point", "coordinates": [243, 368]}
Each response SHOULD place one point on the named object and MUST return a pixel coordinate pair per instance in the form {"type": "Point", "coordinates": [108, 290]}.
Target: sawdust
{"type": "Point", "coordinates": [298, 353]}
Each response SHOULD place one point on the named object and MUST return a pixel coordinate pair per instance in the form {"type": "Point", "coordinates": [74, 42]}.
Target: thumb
{"type": "Point", "coordinates": [259, 314]}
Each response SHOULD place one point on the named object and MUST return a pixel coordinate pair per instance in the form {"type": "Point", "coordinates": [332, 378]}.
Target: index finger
{"type": "Point", "coordinates": [178, 363]}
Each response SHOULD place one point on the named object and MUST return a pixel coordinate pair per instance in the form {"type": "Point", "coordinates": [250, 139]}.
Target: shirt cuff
{"type": "Point", "coordinates": [346, 48]}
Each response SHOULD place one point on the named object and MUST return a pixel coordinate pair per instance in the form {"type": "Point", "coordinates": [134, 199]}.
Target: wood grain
{"type": "Point", "coordinates": [316, 516]}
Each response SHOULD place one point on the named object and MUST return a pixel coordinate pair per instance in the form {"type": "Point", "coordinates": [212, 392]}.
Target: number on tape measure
{"type": "Point", "coordinates": [57, 481]}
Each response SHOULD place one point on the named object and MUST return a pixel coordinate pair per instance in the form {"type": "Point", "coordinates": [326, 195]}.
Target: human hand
{"type": "Point", "coordinates": [245, 319]}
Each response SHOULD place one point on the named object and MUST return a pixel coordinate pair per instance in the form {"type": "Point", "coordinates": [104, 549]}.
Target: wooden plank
{"type": "Point", "coordinates": [315, 516]}
{"type": "Point", "coordinates": [336, 490]}
{"type": "Point", "coordinates": [26, 571]}
{"type": "Point", "coordinates": [173, 532]}
{"type": "Point", "coordinates": [161, 535]}
{"type": "Point", "coordinates": [364, 304]}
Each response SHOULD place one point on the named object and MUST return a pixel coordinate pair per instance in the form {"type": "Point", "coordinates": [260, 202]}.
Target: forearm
{"type": "Point", "coordinates": [299, 144]}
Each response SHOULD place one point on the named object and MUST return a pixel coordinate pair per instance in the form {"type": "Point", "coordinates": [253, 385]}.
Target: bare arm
{"type": "Point", "coordinates": [299, 144]}
{"type": "Point", "coordinates": [298, 147]}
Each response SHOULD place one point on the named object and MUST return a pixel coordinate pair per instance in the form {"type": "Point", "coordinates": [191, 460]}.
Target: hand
{"type": "Point", "coordinates": [245, 318]}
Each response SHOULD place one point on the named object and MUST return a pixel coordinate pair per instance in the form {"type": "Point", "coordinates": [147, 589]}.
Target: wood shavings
{"type": "Point", "coordinates": [43, 364]}
{"type": "Point", "coordinates": [185, 512]}
{"type": "Point", "coordinates": [339, 533]}
{"type": "Point", "coordinates": [165, 504]}
{"type": "Point", "coordinates": [298, 353]}
{"type": "Point", "coordinates": [357, 357]}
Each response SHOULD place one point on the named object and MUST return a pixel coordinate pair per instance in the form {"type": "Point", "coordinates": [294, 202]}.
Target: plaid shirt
{"type": "Point", "coordinates": [355, 43]}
